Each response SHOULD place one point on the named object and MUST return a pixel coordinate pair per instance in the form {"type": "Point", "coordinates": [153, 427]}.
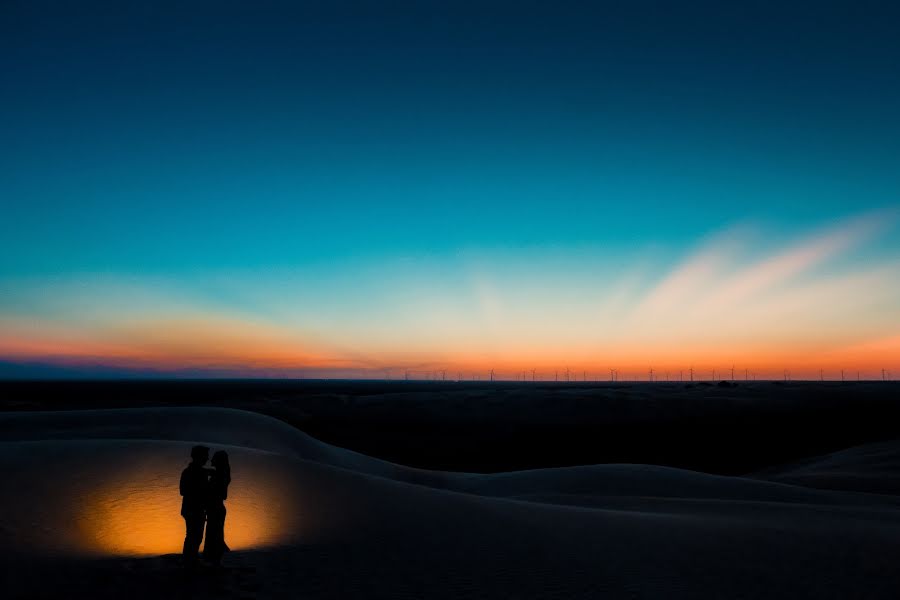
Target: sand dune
{"type": "Point", "coordinates": [207, 425]}
{"type": "Point", "coordinates": [311, 520]}
{"type": "Point", "coordinates": [873, 468]}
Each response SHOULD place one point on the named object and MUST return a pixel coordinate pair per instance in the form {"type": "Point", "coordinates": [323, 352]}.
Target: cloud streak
{"type": "Point", "coordinates": [813, 301]}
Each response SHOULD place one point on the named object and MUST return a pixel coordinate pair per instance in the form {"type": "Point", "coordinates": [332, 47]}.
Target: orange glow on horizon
{"type": "Point", "coordinates": [723, 304]}
{"type": "Point", "coordinates": [766, 359]}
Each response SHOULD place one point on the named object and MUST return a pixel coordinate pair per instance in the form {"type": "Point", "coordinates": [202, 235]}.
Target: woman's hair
{"type": "Point", "coordinates": [220, 462]}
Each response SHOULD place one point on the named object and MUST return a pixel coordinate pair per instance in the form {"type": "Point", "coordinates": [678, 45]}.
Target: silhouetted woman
{"type": "Point", "coordinates": [217, 492]}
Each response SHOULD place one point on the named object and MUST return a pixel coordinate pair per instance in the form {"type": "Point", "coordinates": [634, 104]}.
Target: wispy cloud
{"type": "Point", "coordinates": [736, 299]}
{"type": "Point", "coordinates": [791, 263]}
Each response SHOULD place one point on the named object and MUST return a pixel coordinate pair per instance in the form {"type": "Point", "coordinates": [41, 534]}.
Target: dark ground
{"type": "Point", "coordinates": [488, 427]}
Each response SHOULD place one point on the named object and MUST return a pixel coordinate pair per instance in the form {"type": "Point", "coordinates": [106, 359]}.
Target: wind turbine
{"type": "Point", "coordinates": [651, 374]}
{"type": "Point", "coordinates": [732, 372]}
{"type": "Point", "coordinates": [532, 375]}
{"type": "Point", "coordinates": [492, 374]}
{"type": "Point", "coordinates": [692, 373]}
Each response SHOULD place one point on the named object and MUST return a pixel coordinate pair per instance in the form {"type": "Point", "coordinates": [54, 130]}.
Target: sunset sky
{"type": "Point", "coordinates": [332, 189]}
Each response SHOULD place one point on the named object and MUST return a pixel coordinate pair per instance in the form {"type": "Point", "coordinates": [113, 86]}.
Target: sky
{"type": "Point", "coordinates": [376, 189]}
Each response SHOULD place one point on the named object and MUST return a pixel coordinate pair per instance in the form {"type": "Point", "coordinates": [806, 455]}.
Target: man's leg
{"type": "Point", "coordinates": [193, 535]}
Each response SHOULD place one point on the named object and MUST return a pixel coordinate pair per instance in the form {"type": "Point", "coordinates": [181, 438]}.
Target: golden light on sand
{"type": "Point", "coordinates": [136, 511]}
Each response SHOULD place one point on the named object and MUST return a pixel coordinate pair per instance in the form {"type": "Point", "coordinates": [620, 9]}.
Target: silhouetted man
{"type": "Point", "coordinates": [193, 504]}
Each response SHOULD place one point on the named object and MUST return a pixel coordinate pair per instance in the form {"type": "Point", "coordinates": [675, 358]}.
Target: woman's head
{"type": "Point", "coordinates": [223, 471]}
{"type": "Point", "coordinates": [220, 460]}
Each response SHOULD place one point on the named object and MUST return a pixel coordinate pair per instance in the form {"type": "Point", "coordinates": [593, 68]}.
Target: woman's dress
{"type": "Point", "coordinates": [215, 545]}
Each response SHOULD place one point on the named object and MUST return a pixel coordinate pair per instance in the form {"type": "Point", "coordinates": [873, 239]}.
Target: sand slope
{"type": "Point", "coordinates": [313, 521]}
{"type": "Point", "coordinates": [871, 468]}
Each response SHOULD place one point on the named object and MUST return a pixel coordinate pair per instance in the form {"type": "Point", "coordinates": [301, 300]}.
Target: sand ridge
{"type": "Point", "coordinates": [318, 521]}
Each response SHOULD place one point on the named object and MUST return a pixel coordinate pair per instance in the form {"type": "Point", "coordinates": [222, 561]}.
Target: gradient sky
{"type": "Point", "coordinates": [349, 189]}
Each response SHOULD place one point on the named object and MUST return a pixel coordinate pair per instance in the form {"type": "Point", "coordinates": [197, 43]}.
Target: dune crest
{"type": "Point", "coordinates": [104, 484]}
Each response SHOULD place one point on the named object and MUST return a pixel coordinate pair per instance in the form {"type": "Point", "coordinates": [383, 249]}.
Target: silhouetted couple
{"type": "Point", "coordinates": [204, 492]}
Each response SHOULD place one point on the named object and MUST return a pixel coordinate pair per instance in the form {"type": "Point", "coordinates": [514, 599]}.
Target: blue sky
{"type": "Point", "coordinates": [154, 141]}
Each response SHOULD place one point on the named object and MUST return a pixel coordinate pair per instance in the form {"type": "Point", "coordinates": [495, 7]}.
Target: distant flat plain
{"type": "Point", "coordinates": [715, 427]}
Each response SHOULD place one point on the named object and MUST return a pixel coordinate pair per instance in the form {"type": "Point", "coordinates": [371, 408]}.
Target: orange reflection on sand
{"type": "Point", "coordinates": [137, 511]}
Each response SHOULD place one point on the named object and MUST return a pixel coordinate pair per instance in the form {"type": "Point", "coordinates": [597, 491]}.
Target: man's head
{"type": "Point", "coordinates": [200, 454]}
